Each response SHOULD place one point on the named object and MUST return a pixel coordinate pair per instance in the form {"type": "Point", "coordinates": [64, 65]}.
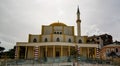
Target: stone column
{"type": "Point", "coordinates": [46, 51]}
{"type": "Point", "coordinates": [78, 50]}
{"type": "Point", "coordinates": [36, 53]}
{"type": "Point", "coordinates": [39, 53]}
{"type": "Point", "coordinates": [61, 54]}
{"type": "Point", "coordinates": [53, 51]}
{"type": "Point", "coordinates": [68, 50]}
{"type": "Point", "coordinates": [88, 51]}
{"type": "Point", "coordinates": [26, 52]}
{"type": "Point", "coordinates": [97, 53]}
{"type": "Point", "coordinates": [81, 51]}
{"type": "Point", "coordinates": [17, 51]}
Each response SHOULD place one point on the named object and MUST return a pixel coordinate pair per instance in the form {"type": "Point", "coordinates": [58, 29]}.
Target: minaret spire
{"type": "Point", "coordinates": [78, 21]}
{"type": "Point", "coordinates": [78, 14]}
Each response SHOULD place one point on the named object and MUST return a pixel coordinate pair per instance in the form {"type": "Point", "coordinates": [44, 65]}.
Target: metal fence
{"type": "Point", "coordinates": [49, 61]}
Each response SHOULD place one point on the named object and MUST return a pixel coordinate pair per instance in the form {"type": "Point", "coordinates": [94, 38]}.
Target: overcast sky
{"type": "Point", "coordinates": [18, 18]}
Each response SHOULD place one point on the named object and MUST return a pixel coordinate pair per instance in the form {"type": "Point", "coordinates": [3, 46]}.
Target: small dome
{"type": "Point", "coordinates": [58, 24]}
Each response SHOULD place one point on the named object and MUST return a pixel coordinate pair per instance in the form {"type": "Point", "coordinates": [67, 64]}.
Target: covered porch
{"type": "Point", "coordinates": [53, 49]}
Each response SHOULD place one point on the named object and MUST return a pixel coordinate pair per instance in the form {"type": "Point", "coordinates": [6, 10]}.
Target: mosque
{"type": "Point", "coordinates": [57, 40]}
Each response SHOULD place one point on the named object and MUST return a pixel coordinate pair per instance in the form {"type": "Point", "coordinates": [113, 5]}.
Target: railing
{"type": "Point", "coordinates": [50, 60]}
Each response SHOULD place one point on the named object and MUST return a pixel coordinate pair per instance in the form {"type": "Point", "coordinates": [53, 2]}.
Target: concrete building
{"type": "Point", "coordinates": [108, 51]}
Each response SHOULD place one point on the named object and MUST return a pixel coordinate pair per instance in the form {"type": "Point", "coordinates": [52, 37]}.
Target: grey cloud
{"type": "Point", "coordinates": [18, 18]}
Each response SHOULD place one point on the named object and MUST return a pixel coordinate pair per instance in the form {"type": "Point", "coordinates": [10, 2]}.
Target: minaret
{"type": "Point", "coordinates": [78, 21]}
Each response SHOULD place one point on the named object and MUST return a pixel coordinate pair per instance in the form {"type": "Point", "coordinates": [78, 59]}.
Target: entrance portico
{"type": "Point", "coordinates": [53, 49]}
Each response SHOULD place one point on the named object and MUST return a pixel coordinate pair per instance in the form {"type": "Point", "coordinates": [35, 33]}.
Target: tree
{"type": "Point", "coordinates": [112, 54]}
{"type": "Point", "coordinates": [75, 53]}
{"type": "Point", "coordinates": [1, 51]}
{"type": "Point", "coordinates": [11, 53]}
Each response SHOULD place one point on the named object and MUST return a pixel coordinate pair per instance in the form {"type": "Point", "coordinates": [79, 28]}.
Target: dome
{"type": "Point", "coordinates": [58, 24]}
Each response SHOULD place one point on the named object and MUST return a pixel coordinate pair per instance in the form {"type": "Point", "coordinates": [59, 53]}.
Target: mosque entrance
{"type": "Point", "coordinates": [22, 52]}
{"type": "Point", "coordinates": [57, 53]}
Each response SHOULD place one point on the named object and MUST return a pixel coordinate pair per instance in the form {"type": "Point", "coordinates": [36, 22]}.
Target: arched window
{"type": "Point", "coordinates": [54, 32]}
{"type": "Point", "coordinates": [80, 41]}
{"type": "Point", "coordinates": [116, 49]}
{"type": "Point", "coordinates": [57, 32]}
{"type": "Point", "coordinates": [60, 32]}
{"type": "Point", "coordinates": [88, 41]}
{"type": "Point", "coordinates": [98, 42]}
{"type": "Point", "coordinates": [46, 40]}
{"type": "Point", "coordinates": [34, 40]}
{"type": "Point", "coordinates": [69, 40]}
{"type": "Point", "coordinates": [58, 40]}
{"type": "Point", "coordinates": [92, 40]}
{"type": "Point", "coordinates": [97, 38]}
